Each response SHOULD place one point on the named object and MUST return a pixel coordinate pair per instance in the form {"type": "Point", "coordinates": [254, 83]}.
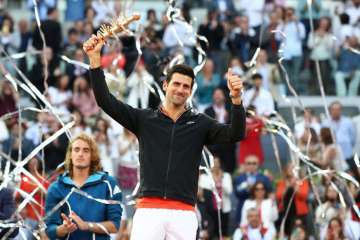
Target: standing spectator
{"type": "Point", "coordinates": [24, 38]}
{"type": "Point", "coordinates": [83, 171]}
{"type": "Point", "coordinates": [270, 74]}
{"type": "Point", "coordinates": [8, 98]}
{"type": "Point", "coordinates": [220, 112]}
{"type": "Point", "coordinates": [242, 39]}
{"type": "Point", "coordinates": [214, 31]}
{"type": "Point", "coordinates": [354, 12]}
{"type": "Point", "coordinates": [207, 81]}
{"type": "Point", "coordinates": [244, 182]}
{"type": "Point", "coordinates": [254, 230]}
{"type": "Point", "coordinates": [344, 131]}
{"type": "Point", "coordinates": [292, 47]}
{"type": "Point", "coordinates": [322, 47]}
{"type": "Point", "coordinates": [43, 7]}
{"type": "Point", "coordinates": [263, 203]}
{"type": "Point", "coordinates": [348, 67]}
{"type": "Point", "coordinates": [331, 153]}
{"type": "Point", "coordinates": [259, 98]}
{"type": "Point", "coordinates": [223, 187]}
{"type": "Point", "coordinates": [254, 10]}
{"type": "Point", "coordinates": [299, 209]}
{"type": "Point", "coordinates": [52, 32]}
{"type": "Point", "coordinates": [270, 42]}
{"type": "Point", "coordinates": [83, 98]}
{"type": "Point", "coordinates": [138, 84]}
{"type": "Point", "coordinates": [251, 145]}
{"type": "Point", "coordinates": [304, 13]}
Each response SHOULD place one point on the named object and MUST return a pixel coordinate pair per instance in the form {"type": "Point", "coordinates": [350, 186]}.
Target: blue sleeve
{"type": "Point", "coordinates": [267, 183]}
{"type": "Point", "coordinates": [241, 193]}
{"type": "Point", "coordinates": [54, 219]}
{"type": "Point", "coordinates": [114, 211]}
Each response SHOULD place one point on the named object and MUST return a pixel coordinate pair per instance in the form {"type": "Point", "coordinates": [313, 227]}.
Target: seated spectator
{"type": "Point", "coordinates": [80, 124]}
{"type": "Point", "coordinates": [83, 98]}
{"type": "Point", "coordinates": [73, 70]}
{"type": "Point", "coordinates": [313, 148]}
{"type": "Point", "coordinates": [7, 208]}
{"type": "Point", "coordinates": [251, 145]}
{"type": "Point", "coordinates": [254, 230]}
{"type": "Point", "coordinates": [205, 209]}
{"type": "Point", "coordinates": [34, 210]}
{"type": "Point", "coordinates": [263, 203]}
{"type": "Point", "coordinates": [244, 182]}
{"type": "Point", "coordinates": [258, 97]}
{"type": "Point", "coordinates": [8, 98]}
{"type": "Point", "coordinates": [299, 233]}
{"type": "Point", "coordinates": [335, 230]}
{"type": "Point", "coordinates": [298, 208]}
{"type": "Point", "coordinates": [223, 187]}
{"type": "Point", "coordinates": [60, 96]}
{"type": "Point", "coordinates": [207, 82]}
{"type": "Point", "coordinates": [72, 43]}
{"type": "Point", "coordinates": [309, 120]}
{"type": "Point", "coordinates": [328, 210]}
{"type": "Point", "coordinates": [348, 67]}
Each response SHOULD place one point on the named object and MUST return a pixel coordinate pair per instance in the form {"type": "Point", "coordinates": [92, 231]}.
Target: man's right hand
{"type": "Point", "coordinates": [65, 228]}
{"type": "Point", "coordinates": [92, 48]}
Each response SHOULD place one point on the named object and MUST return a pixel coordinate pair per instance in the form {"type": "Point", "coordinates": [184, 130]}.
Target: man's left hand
{"type": "Point", "coordinates": [234, 84]}
{"type": "Point", "coordinates": [82, 225]}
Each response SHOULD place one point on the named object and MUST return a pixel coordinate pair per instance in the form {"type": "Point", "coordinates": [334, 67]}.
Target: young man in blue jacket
{"type": "Point", "coordinates": [83, 217]}
{"type": "Point", "coordinates": [171, 140]}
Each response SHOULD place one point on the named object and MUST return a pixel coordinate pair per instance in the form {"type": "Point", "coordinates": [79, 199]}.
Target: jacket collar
{"type": "Point", "coordinates": [92, 179]}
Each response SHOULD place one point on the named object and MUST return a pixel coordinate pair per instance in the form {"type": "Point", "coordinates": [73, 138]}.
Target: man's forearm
{"type": "Point", "coordinates": [95, 61]}
{"type": "Point", "coordinates": [108, 225]}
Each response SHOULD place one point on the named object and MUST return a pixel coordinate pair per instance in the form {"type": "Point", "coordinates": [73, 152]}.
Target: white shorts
{"type": "Point", "coordinates": [164, 224]}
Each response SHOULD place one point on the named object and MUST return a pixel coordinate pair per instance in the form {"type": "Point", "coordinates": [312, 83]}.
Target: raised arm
{"type": "Point", "coordinates": [119, 111]}
{"type": "Point", "coordinates": [235, 131]}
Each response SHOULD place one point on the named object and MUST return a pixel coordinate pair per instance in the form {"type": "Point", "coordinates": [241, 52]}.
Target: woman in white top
{"type": "Point", "coordinates": [220, 182]}
{"type": "Point", "coordinates": [265, 205]}
{"type": "Point", "coordinates": [332, 155]}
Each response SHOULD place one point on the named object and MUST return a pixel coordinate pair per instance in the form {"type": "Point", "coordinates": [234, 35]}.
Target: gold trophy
{"type": "Point", "coordinates": [115, 27]}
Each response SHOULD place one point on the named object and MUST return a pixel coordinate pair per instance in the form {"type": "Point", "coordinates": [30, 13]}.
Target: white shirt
{"type": "Point", "coordinates": [254, 234]}
{"type": "Point", "coordinates": [295, 33]}
{"type": "Point", "coordinates": [179, 32]}
{"type": "Point", "coordinates": [206, 182]}
{"type": "Point", "coordinates": [253, 9]}
{"type": "Point", "coordinates": [264, 102]}
{"type": "Point", "coordinates": [268, 208]}
{"type": "Point", "coordinates": [139, 90]}
{"type": "Point", "coordinates": [354, 14]}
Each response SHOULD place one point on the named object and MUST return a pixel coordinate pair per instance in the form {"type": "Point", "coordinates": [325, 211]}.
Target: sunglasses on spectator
{"type": "Point", "coordinates": [259, 189]}
{"type": "Point", "coordinates": [251, 163]}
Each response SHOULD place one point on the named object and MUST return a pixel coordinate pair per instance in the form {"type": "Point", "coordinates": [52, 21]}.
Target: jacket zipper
{"type": "Point", "coordinates": [169, 159]}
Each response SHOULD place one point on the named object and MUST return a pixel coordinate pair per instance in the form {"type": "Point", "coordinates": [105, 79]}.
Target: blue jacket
{"type": "Point", "coordinates": [98, 186]}
{"type": "Point", "coordinates": [242, 193]}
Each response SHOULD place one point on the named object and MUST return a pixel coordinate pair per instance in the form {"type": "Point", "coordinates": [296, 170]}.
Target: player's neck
{"type": "Point", "coordinates": [173, 110]}
{"type": "Point", "coordinates": [80, 176]}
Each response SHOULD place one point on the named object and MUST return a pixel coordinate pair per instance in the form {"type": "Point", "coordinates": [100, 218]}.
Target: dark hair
{"type": "Point", "coordinates": [344, 18]}
{"type": "Point", "coordinates": [253, 189]}
{"type": "Point", "coordinates": [314, 136]}
{"type": "Point", "coordinates": [51, 10]}
{"type": "Point", "coordinates": [182, 69]}
{"type": "Point", "coordinates": [325, 136]}
{"type": "Point", "coordinates": [150, 11]}
{"type": "Point", "coordinates": [256, 76]}
{"type": "Point", "coordinates": [72, 31]}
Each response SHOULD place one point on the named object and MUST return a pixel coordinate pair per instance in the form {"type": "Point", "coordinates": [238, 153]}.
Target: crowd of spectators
{"type": "Point", "coordinates": [256, 203]}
